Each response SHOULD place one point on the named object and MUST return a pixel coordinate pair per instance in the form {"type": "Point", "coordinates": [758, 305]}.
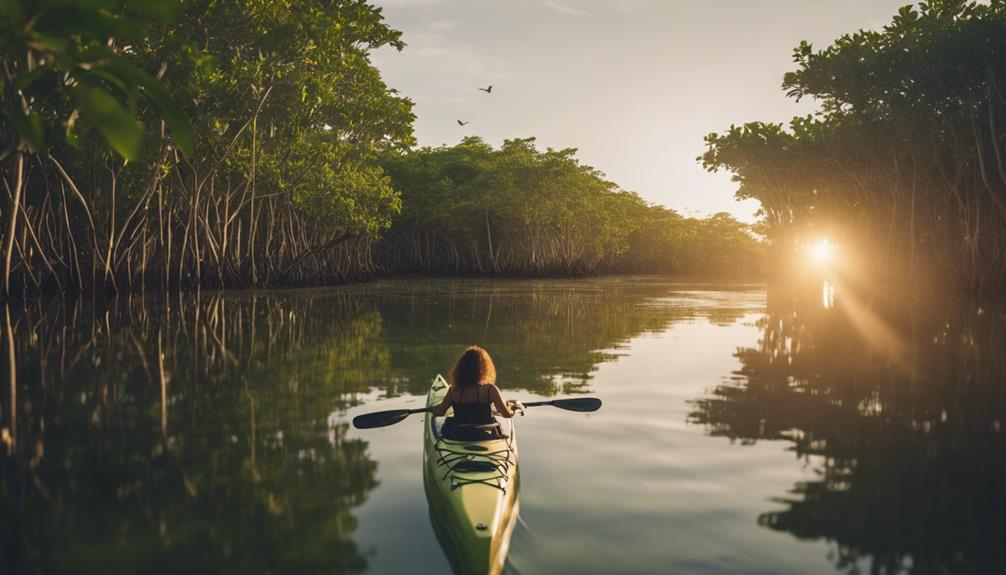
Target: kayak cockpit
{"type": "Point", "coordinates": [488, 462]}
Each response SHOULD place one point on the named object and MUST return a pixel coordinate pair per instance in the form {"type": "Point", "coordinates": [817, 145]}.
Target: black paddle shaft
{"type": "Point", "coordinates": [386, 418]}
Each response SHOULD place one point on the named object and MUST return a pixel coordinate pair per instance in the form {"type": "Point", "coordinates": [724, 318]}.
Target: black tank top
{"type": "Point", "coordinates": [472, 408]}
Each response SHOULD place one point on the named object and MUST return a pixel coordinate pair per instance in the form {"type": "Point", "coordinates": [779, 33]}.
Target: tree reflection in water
{"type": "Point", "coordinates": [196, 433]}
{"type": "Point", "coordinates": [909, 453]}
{"type": "Point", "coordinates": [544, 336]}
{"type": "Point", "coordinates": [184, 435]}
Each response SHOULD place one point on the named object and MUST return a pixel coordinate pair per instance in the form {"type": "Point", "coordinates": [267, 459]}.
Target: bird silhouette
{"type": "Point", "coordinates": [488, 90]}
{"type": "Point", "coordinates": [460, 123]}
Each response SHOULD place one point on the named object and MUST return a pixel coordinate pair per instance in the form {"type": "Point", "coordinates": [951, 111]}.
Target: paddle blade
{"type": "Point", "coordinates": [380, 419]}
{"type": "Point", "coordinates": [582, 404]}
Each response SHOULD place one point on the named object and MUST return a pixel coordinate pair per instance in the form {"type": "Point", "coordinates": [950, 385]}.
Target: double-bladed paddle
{"type": "Point", "coordinates": [391, 417]}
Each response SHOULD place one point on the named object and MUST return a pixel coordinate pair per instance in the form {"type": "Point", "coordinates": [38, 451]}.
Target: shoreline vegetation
{"type": "Point", "coordinates": [903, 166]}
{"type": "Point", "coordinates": [159, 146]}
{"type": "Point", "coordinates": [274, 156]}
{"type": "Point", "coordinates": [470, 209]}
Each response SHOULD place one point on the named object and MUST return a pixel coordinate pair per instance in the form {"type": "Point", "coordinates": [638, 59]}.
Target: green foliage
{"type": "Point", "coordinates": [300, 71]}
{"type": "Point", "coordinates": [904, 161]}
{"type": "Point", "coordinates": [290, 117]}
{"type": "Point", "coordinates": [517, 210]}
{"type": "Point", "coordinates": [66, 58]}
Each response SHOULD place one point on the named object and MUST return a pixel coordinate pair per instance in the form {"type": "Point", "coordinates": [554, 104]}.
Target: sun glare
{"type": "Point", "coordinates": [822, 252]}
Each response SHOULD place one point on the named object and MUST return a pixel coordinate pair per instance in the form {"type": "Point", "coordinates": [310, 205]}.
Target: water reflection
{"type": "Point", "coordinates": [828, 295]}
{"type": "Point", "coordinates": [180, 435]}
{"type": "Point", "coordinates": [198, 433]}
{"type": "Point", "coordinates": [909, 462]}
{"type": "Point", "coordinates": [546, 337]}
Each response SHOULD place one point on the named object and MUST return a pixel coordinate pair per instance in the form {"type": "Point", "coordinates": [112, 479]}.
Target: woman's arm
{"type": "Point", "coordinates": [501, 406]}
{"type": "Point", "coordinates": [440, 409]}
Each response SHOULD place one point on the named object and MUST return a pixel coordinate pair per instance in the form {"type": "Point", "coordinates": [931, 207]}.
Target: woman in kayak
{"type": "Point", "coordinates": [473, 393]}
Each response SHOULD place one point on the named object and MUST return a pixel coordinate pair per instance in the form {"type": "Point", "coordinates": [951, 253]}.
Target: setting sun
{"type": "Point", "coordinates": [823, 252]}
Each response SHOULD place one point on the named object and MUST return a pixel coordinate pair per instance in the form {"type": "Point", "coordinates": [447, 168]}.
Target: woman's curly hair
{"type": "Point", "coordinates": [474, 367]}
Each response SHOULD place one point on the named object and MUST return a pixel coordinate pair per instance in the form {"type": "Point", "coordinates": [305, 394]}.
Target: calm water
{"type": "Point", "coordinates": [741, 432]}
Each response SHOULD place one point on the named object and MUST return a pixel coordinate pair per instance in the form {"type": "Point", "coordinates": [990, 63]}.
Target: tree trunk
{"type": "Point", "coordinates": [12, 223]}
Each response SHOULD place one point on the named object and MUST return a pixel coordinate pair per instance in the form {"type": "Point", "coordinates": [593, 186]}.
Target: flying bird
{"type": "Point", "coordinates": [460, 123]}
{"type": "Point", "coordinates": [488, 90]}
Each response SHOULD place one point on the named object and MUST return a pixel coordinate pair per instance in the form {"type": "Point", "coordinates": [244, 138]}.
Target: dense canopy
{"type": "Point", "coordinates": [520, 211]}
{"type": "Point", "coordinates": [904, 163]}
{"type": "Point", "coordinates": [277, 117]}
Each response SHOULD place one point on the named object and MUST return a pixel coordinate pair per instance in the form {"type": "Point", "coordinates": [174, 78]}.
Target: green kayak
{"type": "Point", "coordinates": [471, 488]}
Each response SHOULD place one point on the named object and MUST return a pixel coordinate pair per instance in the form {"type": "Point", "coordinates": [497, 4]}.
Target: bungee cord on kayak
{"type": "Point", "coordinates": [461, 463]}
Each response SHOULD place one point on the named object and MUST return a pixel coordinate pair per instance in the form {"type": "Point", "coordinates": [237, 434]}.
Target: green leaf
{"type": "Point", "coordinates": [71, 130]}
{"type": "Point", "coordinates": [164, 10]}
{"type": "Point", "coordinates": [89, 77]}
{"type": "Point", "coordinates": [123, 132]}
{"type": "Point", "coordinates": [30, 128]}
{"type": "Point", "coordinates": [47, 42]}
{"type": "Point", "coordinates": [23, 81]}
{"type": "Point", "coordinates": [181, 129]}
{"type": "Point", "coordinates": [95, 53]}
{"type": "Point", "coordinates": [10, 13]}
{"type": "Point", "coordinates": [68, 20]}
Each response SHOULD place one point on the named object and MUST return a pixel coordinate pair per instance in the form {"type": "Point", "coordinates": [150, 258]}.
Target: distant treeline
{"type": "Point", "coordinates": [167, 145]}
{"type": "Point", "coordinates": [904, 166]}
{"type": "Point", "coordinates": [471, 209]}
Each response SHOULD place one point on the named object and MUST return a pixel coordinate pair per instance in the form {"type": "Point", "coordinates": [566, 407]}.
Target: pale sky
{"type": "Point", "coordinates": [633, 84]}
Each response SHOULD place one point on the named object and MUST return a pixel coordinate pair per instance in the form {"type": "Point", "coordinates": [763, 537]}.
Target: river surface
{"type": "Point", "coordinates": [742, 431]}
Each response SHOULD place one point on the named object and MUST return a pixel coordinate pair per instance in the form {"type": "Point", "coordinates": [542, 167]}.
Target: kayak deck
{"type": "Point", "coordinates": [471, 488]}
